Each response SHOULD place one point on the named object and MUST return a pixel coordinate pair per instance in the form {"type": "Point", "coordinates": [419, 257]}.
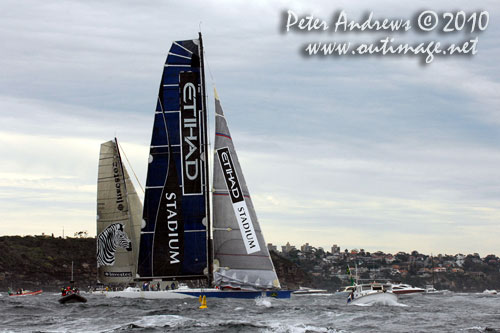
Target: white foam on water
{"type": "Point", "coordinates": [474, 328]}
{"type": "Point", "coordinates": [263, 301]}
{"type": "Point", "coordinates": [239, 308]}
{"type": "Point", "coordinates": [386, 302]}
{"type": "Point", "coordinates": [161, 321]}
{"type": "Point", "coordinates": [299, 328]}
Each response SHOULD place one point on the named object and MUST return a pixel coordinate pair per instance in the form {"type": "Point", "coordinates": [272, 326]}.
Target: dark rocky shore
{"type": "Point", "coordinates": [44, 262]}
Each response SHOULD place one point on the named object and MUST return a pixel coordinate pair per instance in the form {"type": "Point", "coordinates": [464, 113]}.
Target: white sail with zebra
{"type": "Point", "coordinates": [119, 212]}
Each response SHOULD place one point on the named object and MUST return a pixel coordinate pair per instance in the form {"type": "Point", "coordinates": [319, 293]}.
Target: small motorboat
{"type": "Point", "coordinates": [309, 291]}
{"type": "Point", "coordinates": [72, 298]}
{"type": "Point", "coordinates": [25, 293]}
{"type": "Point", "coordinates": [372, 293]}
{"type": "Point", "coordinates": [402, 288]}
{"type": "Point", "coordinates": [71, 294]}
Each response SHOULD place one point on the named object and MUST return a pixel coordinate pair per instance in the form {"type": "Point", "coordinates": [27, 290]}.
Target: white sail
{"type": "Point", "coordinates": [242, 259]}
{"type": "Point", "coordinates": [119, 216]}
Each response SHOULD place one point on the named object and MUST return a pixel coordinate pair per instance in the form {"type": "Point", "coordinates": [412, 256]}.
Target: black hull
{"type": "Point", "coordinates": [73, 298]}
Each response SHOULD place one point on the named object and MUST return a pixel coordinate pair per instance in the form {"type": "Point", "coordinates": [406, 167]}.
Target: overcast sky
{"type": "Point", "coordinates": [380, 153]}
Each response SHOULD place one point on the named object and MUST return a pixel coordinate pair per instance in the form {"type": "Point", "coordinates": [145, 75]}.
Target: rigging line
{"type": "Point", "coordinates": [131, 168]}
{"type": "Point", "coordinates": [208, 67]}
{"type": "Point", "coordinates": [209, 125]}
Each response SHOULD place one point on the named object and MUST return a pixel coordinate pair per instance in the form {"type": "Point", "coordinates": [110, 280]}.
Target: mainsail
{"type": "Point", "coordinates": [241, 257]}
{"type": "Point", "coordinates": [174, 234]}
{"type": "Point", "coordinates": [118, 219]}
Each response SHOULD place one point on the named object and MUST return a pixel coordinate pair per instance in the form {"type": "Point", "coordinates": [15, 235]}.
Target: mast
{"type": "Point", "coordinates": [207, 182]}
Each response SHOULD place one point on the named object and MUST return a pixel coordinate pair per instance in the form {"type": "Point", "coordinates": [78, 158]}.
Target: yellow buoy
{"type": "Point", "coordinates": [203, 302]}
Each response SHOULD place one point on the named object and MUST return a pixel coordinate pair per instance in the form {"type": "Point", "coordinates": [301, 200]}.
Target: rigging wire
{"type": "Point", "coordinates": [212, 81]}
{"type": "Point", "coordinates": [131, 168]}
{"type": "Point", "coordinates": [210, 148]}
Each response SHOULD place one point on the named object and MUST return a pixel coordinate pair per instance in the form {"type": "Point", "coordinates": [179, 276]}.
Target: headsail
{"type": "Point", "coordinates": [240, 251]}
{"type": "Point", "coordinates": [118, 219]}
{"type": "Point", "coordinates": [174, 233]}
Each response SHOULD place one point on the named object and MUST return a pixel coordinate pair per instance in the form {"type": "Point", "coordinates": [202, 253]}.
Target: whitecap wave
{"type": "Point", "coordinates": [264, 302]}
{"type": "Point", "coordinates": [386, 302]}
{"type": "Point", "coordinates": [299, 328]}
{"type": "Point", "coordinates": [161, 321]}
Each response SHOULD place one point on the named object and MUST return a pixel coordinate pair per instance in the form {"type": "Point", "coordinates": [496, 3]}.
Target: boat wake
{"type": "Point", "coordinates": [299, 328]}
{"type": "Point", "coordinates": [385, 302]}
{"type": "Point", "coordinates": [263, 302]}
{"type": "Point", "coordinates": [172, 321]}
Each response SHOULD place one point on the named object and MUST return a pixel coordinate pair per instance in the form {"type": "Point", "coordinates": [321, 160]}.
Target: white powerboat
{"type": "Point", "coordinates": [372, 293]}
{"type": "Point", "coordinates": [402, 288]}
{"type": "Point", "coordinates": [309, 291]}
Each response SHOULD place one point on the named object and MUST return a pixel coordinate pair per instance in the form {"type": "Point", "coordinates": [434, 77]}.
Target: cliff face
{"type": "Point", "coordinates": [45, 262]}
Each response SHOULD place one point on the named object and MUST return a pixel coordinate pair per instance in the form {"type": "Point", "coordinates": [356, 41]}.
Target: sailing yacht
{"type": "Point", "coordinates": [176, 242]}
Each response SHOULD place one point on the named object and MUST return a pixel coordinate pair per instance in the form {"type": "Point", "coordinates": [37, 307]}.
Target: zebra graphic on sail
{"type": "Point", "coordinates": [108, 241]}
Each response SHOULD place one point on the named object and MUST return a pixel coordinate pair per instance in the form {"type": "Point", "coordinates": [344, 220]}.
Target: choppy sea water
{"type": "Point", "coordinates": [450, 312]}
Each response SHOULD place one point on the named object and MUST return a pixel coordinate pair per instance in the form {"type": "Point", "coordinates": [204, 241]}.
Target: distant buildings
{"type": "Point", "coordinates": [272, 247]}
{"type": "Point", "coordinates": [306, 248]}
{"type": "Point", "coordinates": [379, 265]}
{"type": "Point", "coordinates": [287, 248]}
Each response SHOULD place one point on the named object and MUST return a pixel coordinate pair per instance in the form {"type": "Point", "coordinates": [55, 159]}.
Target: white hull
{"type": "Point", "coordinates": [164, 294]}
{"type": "Point", "coordinates": [381, 298]}
{"type": "Point", "coordinates": [183, 293]}
{"type": "Point", "coordinates": [309, 291]}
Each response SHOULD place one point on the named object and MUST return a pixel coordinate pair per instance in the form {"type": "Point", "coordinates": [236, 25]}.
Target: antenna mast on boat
{"type": "Point", "coordinates": [207, 182]}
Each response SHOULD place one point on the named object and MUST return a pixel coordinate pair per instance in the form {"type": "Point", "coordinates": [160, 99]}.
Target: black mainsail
{"type": "Point", "coordinates": [174, 235]}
